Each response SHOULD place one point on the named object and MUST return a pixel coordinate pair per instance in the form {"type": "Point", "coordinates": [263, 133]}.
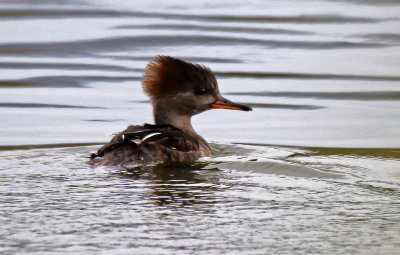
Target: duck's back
{"type": "Point", "coordinates": [150, 144]}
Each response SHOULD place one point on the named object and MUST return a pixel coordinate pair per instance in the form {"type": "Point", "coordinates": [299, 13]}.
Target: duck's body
{"type": "Point", "coordinates": [178, 90]}
{"type": "Point", "coordinates": [151, 144]}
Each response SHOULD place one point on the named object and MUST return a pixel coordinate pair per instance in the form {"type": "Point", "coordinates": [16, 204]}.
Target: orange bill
{"type": "Point", "coordinates": [226, 104]}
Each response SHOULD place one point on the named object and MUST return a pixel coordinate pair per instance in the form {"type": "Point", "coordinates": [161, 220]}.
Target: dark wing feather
{"type": "Point", "coordinates": [147, 144]}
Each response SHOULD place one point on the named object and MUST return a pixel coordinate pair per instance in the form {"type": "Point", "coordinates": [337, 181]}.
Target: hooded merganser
{"type": "Point", "coordinates": [178, 90]}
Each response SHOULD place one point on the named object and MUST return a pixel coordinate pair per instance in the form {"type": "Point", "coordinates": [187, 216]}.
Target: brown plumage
{"type": "Point", "coordinates": [165, 76]}
{"type": "Point", "coordinates": [178, 90]}
{"type": "Point", "coordinates": [136, 146]}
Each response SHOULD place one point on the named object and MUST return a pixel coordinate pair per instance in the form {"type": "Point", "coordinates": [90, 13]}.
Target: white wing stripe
{"type": "Point", "coordinates": [150, 135]}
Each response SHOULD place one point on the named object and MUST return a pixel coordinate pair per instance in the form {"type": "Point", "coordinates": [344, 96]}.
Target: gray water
{"type": "Point", "coordinates": [313, 169]}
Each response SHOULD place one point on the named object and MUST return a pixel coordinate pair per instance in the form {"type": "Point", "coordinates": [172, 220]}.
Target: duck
{"type": "Point", "coordinates": [178, 90]}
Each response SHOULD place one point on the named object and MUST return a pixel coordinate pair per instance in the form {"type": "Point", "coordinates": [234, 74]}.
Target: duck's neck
{"type": "Point", "coordinates": [166, 116]}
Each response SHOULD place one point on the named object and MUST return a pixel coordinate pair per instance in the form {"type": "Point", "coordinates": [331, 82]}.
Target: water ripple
{"type": "Point", "coordinates": [324, 18]}
{"type": "Point", "coordinates": [64, 81]}
{"type": "Point", "coordinates": [65, 66]}
{"type": "Point", "coordinates": [135, 42]}
{"type": "Point", "coordinates": [350, 95]}
{"type": "Point", "coordinates": [37, 105]}
{"type": "Point", "coordinates": [316, 76]}
{"type": "Point", "coordinates": [382, 37]}
{"type": "Point", "coordinates": [285, 106]}
{"type": "Point", "coordinates": [203, 27]}
{"type": "Point", "coordinates": [186, 58]}
{"type": "Point", "coordinates": [102, 13]}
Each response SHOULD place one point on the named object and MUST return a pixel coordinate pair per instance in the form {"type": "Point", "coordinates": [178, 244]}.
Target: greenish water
{"type": "Point", "coordinates": [313, 169]}
{"type": "Point", "coordinates": [247, 199]}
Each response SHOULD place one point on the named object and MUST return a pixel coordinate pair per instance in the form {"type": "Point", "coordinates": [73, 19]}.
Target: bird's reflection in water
{"type": "Point", "coordinates": [179, 185]}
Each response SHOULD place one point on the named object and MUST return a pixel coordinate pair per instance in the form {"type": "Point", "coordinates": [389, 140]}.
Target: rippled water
{"type": "Point", "coordinates": [314, 169]}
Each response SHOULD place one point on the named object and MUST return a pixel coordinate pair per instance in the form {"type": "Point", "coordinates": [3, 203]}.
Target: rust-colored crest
{"type": "Point", "coordinates": [164, 75]}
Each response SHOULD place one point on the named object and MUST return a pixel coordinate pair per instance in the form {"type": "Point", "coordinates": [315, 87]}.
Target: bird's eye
{"type": "Point", "coordinates": [201, 91]}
